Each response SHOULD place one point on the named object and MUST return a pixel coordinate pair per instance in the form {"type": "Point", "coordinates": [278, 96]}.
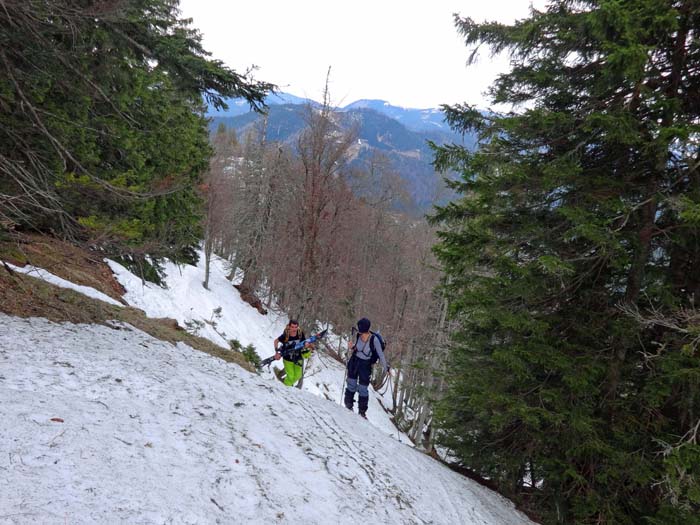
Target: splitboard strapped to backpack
{"type": "Point", "coordinates": [292, 350]}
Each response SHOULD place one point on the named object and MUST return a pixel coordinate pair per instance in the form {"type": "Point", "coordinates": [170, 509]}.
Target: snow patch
{"type": "Point", "coordinates": [109, 425]}
{"type": "Point", "coordinates": [47, 276]}
{"type": "Point", "coordinates": [186, 300]}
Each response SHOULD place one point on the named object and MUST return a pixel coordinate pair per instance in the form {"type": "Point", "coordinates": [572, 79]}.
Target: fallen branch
{"type": "Point", "coordinates": [50, 443]}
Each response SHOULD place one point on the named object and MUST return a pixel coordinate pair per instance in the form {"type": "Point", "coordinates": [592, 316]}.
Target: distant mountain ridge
{"type": "Point", "coordinates": [401, 134]}
{"type": "Point", "coordinates": [429, 119]}
{"type": "Point", "coordinates": [239, 106]}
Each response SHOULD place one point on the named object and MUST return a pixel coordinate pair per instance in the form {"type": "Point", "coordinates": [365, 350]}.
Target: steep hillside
{"type": "Point", "coordinates": [119, 417]}
{"type": "Point", "coordinates": [111, 425]}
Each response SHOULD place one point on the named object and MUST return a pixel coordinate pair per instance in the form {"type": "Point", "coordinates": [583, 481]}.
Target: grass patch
{"type": "Point", "coordinates": [25, 296]}
{"type": "Point", "coordinates": [68, 261]}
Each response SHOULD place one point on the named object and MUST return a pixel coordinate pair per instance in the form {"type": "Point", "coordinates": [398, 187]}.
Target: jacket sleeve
{"type": "Point", "coordinates": [380, 353]}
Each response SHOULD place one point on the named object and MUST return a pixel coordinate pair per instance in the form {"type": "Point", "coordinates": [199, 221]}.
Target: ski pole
{"type": "Point", "coordinates": [396, 423]}
{"type": "Point", "coordinates": [345, 378]}
{"type": "Point", "coordinates": [301, 379]}
{"type": "Point", "coordinates": [391, 393]}
{"type": "Point", "coordinates": [342, 390]}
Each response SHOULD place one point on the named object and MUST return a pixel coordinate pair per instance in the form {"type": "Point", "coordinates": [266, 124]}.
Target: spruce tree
{"type": "Point", "coordinates": [102, 129]}
{"type": "Point", "coordinates": [572, 264]}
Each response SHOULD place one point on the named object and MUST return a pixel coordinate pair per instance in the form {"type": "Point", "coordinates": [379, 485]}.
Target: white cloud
{"type": "Point", "coordinates": [405, 52]}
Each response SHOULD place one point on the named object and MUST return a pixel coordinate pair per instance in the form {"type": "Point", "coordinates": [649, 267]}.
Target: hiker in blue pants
{"type": "Point", "coordinates": [366, 350]}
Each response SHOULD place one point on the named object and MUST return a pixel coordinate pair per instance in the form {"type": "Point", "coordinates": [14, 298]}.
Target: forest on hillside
{"type": "Point", "coordinates": [572, 265]}
{"type": "Point", "coordinates": [543, 323]}
{"type": "Point", "coordinates": [322, 241]}
{"type": "Point", "coordinates": [105, 143]}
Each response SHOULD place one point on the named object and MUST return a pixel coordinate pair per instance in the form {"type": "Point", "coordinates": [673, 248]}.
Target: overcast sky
{"type": "Point", "coordinates": [408, 53]}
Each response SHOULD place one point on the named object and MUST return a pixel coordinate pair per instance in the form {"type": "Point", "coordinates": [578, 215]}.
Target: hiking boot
{"type": "Point", "coordinates": [349, 399]}
{"type": "Point", "coordinates": [363, 414]}
{"type": "Point", "coordinates": [280, 373]}
{"type": "Point", "coordinates": [362, 405]}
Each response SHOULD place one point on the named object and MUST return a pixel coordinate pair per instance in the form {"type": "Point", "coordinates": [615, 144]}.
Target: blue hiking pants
{"type": "Point", "coordinates": [359, 373]}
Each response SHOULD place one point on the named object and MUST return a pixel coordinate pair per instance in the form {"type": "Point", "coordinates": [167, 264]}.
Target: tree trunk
{"type": "Point", "coordinates": [208, 247]}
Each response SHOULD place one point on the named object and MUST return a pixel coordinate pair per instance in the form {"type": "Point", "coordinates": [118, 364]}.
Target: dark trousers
{"type": "Point", "coordinates": [359, 373]}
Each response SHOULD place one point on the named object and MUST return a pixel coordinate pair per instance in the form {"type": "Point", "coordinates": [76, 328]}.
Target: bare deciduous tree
{"type": "Point", "coordinates": [218, 189]}
{"type": "Point", "coordinates": [323, 150]}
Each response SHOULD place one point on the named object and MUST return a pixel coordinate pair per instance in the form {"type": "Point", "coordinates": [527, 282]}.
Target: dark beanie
{"type": "Point", "coordinates": [363, 325]}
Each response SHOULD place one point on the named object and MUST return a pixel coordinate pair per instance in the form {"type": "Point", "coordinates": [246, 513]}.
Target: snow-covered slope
{"type": "Point", "coordinates": [186, 300]}
{"type": "Point", "coordinates": [108, 425]}
{"type": "Point", "coordinates": [47, 276]}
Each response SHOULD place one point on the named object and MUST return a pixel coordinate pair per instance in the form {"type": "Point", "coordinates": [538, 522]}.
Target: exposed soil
{"type": "Point", "coordinates": [70, 262]}
{"type": "Point", "coordinates": [249, 297]}
{"type": "Point", "coordinates": [22, 295]}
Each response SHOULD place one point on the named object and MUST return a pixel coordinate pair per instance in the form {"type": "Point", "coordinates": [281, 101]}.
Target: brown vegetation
{"type": "Point", "coordinates": [249, 297]}
{"type": "Point", "coordinates": [65, 260]}
{"type": "Point", "coordinates": [25, 296]}
{"type": "Point", "coordinates": [322, 240]}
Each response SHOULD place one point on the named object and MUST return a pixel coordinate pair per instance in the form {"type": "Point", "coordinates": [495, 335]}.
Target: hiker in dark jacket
{"type": "Point", "coordinates": [293, 361]}
{"type": "Point", "coordinates": [360, 366]}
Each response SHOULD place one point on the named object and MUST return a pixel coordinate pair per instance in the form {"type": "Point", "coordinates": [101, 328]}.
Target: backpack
{"type": "Point", "coordinates": [375, 354]}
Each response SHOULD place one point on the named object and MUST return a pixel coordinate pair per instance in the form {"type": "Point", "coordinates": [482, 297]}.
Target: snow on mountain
{"type": "Point", "coordinates": [108, 424]}
{"type": "Point", "coordinates": [187, 301]}
{"type": "Point", "coordinates": [47, 276]}
{"type": "Point", "coordinates": [430, 119]}
{"type": "Point", "coordinates": [219, 314]}
{"type": "Point", "coordinates": [240, 106]}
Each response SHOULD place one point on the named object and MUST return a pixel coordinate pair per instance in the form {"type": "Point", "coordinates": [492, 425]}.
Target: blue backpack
{"type": "Point", "coordinates": [375, 354]}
